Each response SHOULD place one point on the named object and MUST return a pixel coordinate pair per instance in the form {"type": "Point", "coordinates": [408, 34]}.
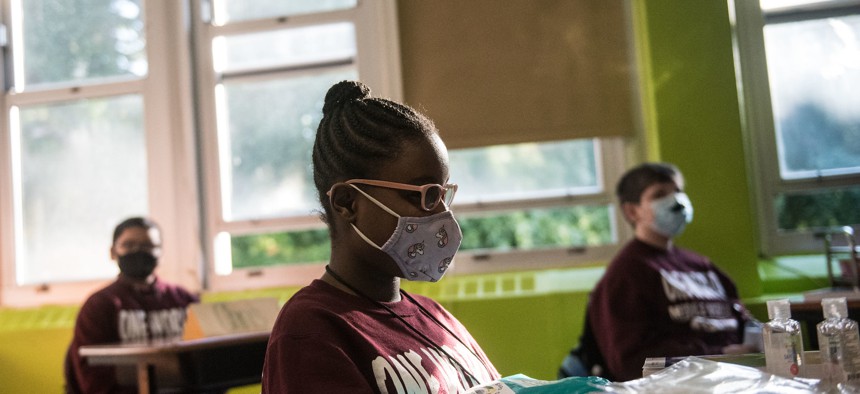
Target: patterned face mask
{"type": "Point", "coordinates": [671, 214]}
{"type": "Point", "coordinates": [423, 247]}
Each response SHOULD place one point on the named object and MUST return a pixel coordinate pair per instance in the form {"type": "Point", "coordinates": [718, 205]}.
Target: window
{"type": "Point", "coordinates": [264, 69]}
{"type": "Point", "coordinates": [262, 220]}
{"type": "Point", "coordinates": [537, 205]}
{"type": "Point", "coordinates": [206, 123]}
{"type": "Point", "coordinates": [800, 69]}
{"type": "Point", "coordinates": [83, 140]}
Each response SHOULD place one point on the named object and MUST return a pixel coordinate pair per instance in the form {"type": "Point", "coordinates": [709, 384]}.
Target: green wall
{"type": "Point", "coordinates": [693, 119]}
{"type": "Point", "coordinates": [525, 321]}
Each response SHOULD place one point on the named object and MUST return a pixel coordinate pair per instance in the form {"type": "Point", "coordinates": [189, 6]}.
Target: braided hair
{"type": "Point", "coordinates": [358, 133]}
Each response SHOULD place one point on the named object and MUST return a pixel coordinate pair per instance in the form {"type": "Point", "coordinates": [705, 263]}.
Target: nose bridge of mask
{"type": "Point", "coordinates": [676, 203]}
{"type": "Point", "coordinates": [684, 200]}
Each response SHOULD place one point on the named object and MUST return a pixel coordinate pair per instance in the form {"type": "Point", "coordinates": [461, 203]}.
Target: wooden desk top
{"type": "Point", "coordinates": [812, 299]}
{"type": "Point", "coordinates": [171, 346]}
{"type": "Point", "coordinates": [197, 365]}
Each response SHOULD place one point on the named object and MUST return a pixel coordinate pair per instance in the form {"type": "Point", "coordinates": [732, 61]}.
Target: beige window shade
{"type": "Point", "coordinates": [498, 72]}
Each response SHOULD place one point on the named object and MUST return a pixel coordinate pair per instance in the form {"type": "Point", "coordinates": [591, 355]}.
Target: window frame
{"type": "Point", "coordinates": [378, 63]}
{"type": "Point", "coordinates": [610, 160]}
{"type": "Point", "coordinates": [758, 122]}
{"type": "Point", "coordinates": [183, 191]}
{"type": "Point", "coordinates": [169, 137]}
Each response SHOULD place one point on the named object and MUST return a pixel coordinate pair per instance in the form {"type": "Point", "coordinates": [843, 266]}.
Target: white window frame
{"type": "Point", "coordinates": [171, 167]}
{"type": "Point", "coordinates": [760, 131]}
{"type": "Point", "coordinates": [184, 195]}
{"type": "Point", "coordinates": [378, 64]}
{"type": "Point", "coordinates": [382, 72]}
{"type": "Point", "coordinates": [610, 164]}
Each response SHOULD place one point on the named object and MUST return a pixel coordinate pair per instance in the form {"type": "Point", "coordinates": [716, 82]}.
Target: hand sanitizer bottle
{"type": "Point", "coordinates": [838, 343]}
{"type": "Point", "coordinates": [783, 343]}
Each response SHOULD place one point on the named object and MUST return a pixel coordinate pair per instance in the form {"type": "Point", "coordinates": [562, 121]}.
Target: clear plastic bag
{"type": "Point", "coordinates": [694, 375]}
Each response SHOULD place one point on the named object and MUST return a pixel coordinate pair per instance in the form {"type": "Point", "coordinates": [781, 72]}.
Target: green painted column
{"type": "Point", "coordinates": [692, 118]}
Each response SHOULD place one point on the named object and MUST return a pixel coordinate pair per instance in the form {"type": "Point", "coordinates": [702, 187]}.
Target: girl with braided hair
{"type": "Point", "coordinates": [381, 171]}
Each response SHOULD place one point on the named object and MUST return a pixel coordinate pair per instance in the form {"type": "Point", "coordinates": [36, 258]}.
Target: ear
{"type": "Point", "coordinates": [342, 201]}
{"type": "Point", "coordinates": [113, 255]}
{"type": "Point", "coordinates": [629, 210]}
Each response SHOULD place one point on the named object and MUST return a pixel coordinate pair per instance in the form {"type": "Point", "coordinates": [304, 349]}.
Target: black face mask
{"type": "Point", "coordinates": [137, 265]}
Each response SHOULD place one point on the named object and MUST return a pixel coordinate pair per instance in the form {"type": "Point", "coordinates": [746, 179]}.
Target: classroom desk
{"type": "Point", "coordinates": [809, 313]}
{"type": "Point", "coordinates": [198, 365]}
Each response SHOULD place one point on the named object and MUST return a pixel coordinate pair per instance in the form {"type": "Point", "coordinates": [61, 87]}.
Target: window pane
{"type": "Point", "coordinates": [507, 172]}
{"type": "Point", "coordinates": [814, 69]}
{"type": "Point", "coordinates": [296, 247]}
{"type": "Point", "coordinates": [538, 228]}
{"type": "Point", "coordinates": [769, 5]}
{"type": "Point", "coordinates": [268, 131]}
{"type": "Point", "coordinates": [291, 47]}
{"type": "Point", "coordinates": [75, 41]}
{"type": "Point", "coordinates": [826, 208]}
{"type": "Point", "coordinates": [238, 10]}
{"type": "Point", "coordinates": [82, 170]}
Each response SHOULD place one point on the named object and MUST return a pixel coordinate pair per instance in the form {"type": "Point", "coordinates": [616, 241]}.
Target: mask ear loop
{"type": "Point", "coordinates": [375, 201]}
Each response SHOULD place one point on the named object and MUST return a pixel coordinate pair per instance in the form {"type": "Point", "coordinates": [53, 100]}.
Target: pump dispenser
{"type": "Point", "coordinates": [839, 344]}
{"type": "Point", "coordinates": [783, 343]}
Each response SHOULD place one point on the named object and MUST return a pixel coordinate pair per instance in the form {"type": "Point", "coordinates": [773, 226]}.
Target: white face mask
{"type": "Point", "coordinates": [671, 214]}
{"type": "Point", "coordinates": [423, 247]}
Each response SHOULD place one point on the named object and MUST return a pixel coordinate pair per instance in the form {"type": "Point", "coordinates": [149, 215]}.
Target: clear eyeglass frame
{"type": "Point", "coordinates": [431, 194]}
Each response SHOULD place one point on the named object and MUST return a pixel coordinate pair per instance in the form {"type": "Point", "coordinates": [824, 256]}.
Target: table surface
{"type": "Point", "coordinates": [809, 311]}
{"type": "Point", "coordinates": [170, 346]}
{"type": "Point", "coordinates": [198, 364]}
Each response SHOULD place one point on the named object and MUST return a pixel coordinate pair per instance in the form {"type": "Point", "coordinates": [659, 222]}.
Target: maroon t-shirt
{"type": "Point", "coordinates": [653, 302]}
{"type": "Point", "coordinates": [328, 341]}
{"type": "Point", "coordinates": [122, 313]}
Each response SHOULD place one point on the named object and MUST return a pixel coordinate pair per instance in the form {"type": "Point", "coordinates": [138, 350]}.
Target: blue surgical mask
{"type": "Point", "coordinates": [671, 214]}
{"type": "Point", "coordinates": [422, 247]}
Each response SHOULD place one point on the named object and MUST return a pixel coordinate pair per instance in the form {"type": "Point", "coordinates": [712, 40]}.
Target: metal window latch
{"type": "Point", "coordinates": [849, 249]}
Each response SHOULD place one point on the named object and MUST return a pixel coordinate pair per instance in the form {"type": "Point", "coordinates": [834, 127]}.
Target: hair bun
{"type": "Point", "coordinates": [344, 91]}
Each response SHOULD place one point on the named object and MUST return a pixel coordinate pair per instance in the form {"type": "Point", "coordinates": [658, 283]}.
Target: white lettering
{"type": "Point", "coordinates": [166, 323]}
{"type": "Point", "coordinates": [446, 368]}
{"type": "Point", "coordinates": [706, 324]}
{"type": "Point", "coordinates": [410, 383]}
{"type": "Point", "coordinates": [384, 372]}
{"type": "Point", "coordinates": [132, 325]}
{"type": "Point", "coordinates": [680, 286]}
{"type": "Point", "coordinates": [455, 371]}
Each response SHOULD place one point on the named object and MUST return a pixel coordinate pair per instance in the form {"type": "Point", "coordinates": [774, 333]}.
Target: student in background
{"type": "Point", "coordinates": [136, 307]}
{"type": "Point", "coordinates": [381, 172]}
{"type": "Point", "coordinates": [657, 299]}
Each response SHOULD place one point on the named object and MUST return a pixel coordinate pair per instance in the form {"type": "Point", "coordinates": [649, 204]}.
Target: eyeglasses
{"type": "Point", "coordinates": [431, 193]}
{"type": "Point", "coordinates": [134, 246]}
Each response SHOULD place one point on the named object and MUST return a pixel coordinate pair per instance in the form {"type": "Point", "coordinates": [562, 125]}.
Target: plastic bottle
{"type": "Point", "coordinates": [838, 344]}
{"type": "Point", "coordinates": [783, 343]}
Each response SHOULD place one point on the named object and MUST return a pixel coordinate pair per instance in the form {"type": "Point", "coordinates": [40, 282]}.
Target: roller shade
{"type": "Point", "coordinates": [498, 72]}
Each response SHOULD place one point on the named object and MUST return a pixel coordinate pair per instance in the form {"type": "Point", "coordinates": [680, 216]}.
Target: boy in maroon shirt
{"type": "Point", "coordinates": [134, 308]}
{"type": "Point", "coordinates": [656, 299]}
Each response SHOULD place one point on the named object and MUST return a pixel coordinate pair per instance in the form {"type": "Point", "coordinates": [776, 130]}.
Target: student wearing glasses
{"type": "Point", "coordinates": [136, 307]}
{"type": "Point", "coordinates": [381, 172]}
